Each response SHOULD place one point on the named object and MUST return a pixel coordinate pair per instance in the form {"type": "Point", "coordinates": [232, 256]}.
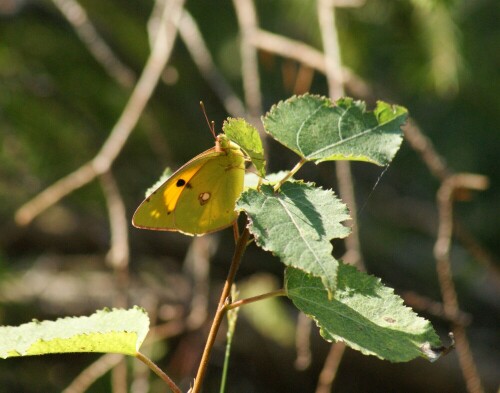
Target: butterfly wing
{"type": "Point", "coordinates": [208, 205]}
{"type": "Point", "coordinates": [198, 198]}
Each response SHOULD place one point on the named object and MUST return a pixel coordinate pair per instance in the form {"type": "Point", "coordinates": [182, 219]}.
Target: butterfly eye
{"type": "Point", "coordinates": [180, 182]}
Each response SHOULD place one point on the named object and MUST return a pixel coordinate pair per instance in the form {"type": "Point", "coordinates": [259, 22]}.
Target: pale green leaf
{"type": "Point", "coordinates": [252, 180]}
{"type": "Point", "coordinates": [247, 137]}
{"type": "Point", "coordinates": [319, 130]}
{"type": "Point", "coordinates": [115, 331]}
{"type": "Point", "coordinates": [364, 314]}
{"type": "Point", "coordinates": [296, 224]}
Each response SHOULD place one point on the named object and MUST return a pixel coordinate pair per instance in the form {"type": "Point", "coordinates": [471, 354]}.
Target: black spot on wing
{"type": "Point", "coordinates": [180, 183]}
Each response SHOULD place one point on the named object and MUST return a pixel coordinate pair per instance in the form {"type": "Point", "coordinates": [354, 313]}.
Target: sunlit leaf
{"type": "Point", "coordinates": [247, 137]}
{"type": "Point", "coordinates": [296, 224]}
{"type": "Point", "coordinates": [319, 130]}
{"type": "Point", "coordinates": [112, 331]}
{"type": "Point", "coordinates": [364, 314]}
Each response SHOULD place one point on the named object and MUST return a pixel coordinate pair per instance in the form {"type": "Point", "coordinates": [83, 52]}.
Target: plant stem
{"type": "Point", "coordinates": [294, 170]}
{"type": "Point", "coordinates": [232, 317]}
{"type": "Point", "coordinates": [242, 302]}
{"type": "Point", "coordinates": [221, 309]}
{"type": "Point", "coordinates": [158, 371]}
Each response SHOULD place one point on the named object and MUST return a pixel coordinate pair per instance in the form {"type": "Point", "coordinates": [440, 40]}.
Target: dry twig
{"type": "Point", "coordinates": [192, 37]}
{"type": "Point", "coordinates": [442, 247]}
{"type": "Point", "coordinates": [122, 129]}
{"type": "Point", "coordinates": [77, 16]}
{"type": "Point", "coordinates": [247, 19]}
{"type": "Point", "coordinates": [96, 370]}
{"type": "Point", "coordinates": [333, 67]}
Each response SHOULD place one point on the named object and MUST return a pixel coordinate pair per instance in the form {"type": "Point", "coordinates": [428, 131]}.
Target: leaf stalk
{"type": "Point", "coordinates": [292, 172]}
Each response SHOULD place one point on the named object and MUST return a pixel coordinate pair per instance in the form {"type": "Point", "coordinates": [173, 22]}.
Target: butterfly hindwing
{"type": "Point", "coordinates": [208, 205]}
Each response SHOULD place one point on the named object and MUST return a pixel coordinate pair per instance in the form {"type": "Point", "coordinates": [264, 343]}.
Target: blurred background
{"type": "Point", "coordinates": [67, 71]}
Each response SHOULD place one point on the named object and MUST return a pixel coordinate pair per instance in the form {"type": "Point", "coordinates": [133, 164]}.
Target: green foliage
{"type": "Point", "coordinates": [319, 130]}
{"type": "Point", "coordinates": [247, 137]}
{"type": "Point", "coordinates": [115, 331]}
{"type": "Point", "coordinates": [296, 223]}
{"type": "Point", "coordinates": [364, 314]}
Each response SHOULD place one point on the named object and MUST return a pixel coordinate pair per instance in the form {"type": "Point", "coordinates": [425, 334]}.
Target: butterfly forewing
{"type": "Point", "coordinates": [155, 212]}
{"type": "Point", "coordinates": [199, 197]}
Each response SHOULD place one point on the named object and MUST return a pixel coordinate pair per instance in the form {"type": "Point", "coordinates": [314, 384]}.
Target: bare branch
{"type": "Point", "coordinates": [303, 342]}
{"type": "Point", "coordinates": [333, 68]}
{"type": "Point", "coordinates": [197, 266]}
{"type": "Point", "coordinates": [334, 75]}
{"type": "Point", "coordinates": [122, 129]}
{"type": "Point", "coordinates": [423, 145]}
{"type": "Point", "coordinates": [442, 247]}
{"type": "Point", "coordinates": [247, 19]}
{"type": "Point", "coordinates": [118, 256]}
{"type": "Point", "coordinates": [422, 303]}
{"type": "Point", "coordinates": [93, 372]}
{"type": "Point", "coordinates": [77, 16]}
{"type": "Point", "coordinates": [330, 368]}
{"type": "Point", "coordinates": [191, 35]}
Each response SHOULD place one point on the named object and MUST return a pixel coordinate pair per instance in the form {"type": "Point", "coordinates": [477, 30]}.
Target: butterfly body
{"type": "Point", "coordinates": [200, 196]}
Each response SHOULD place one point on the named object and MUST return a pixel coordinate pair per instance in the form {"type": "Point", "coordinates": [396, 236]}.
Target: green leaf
{"type": "Point", "coordinates": [247, 137]}
{"type": "Point", "coordinates": [318, 130]}
{"type": "Point", "coordinates": [364, 314]}
{"type": "Point", "coordinates": [252, 180]}
{"type": "Point", "coordinates": [115, 331]}
{"type": "Point", "coordinates": [296, 224]}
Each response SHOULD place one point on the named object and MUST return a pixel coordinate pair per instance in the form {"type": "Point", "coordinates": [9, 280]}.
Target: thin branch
{"type": "Point", "coordinates": [334, 75]}
{"type": "Point", "coordinates": [247, 19]}
{"type": "Point", "coordinates": [303, 342]}
{"type": "Point", "coordinates": [119, 377]}
{"type": "Point", "coordinates": [330, 368]}
{"type": "Point", "coordinates": [310, 57]}
{"type": "Point", "coordinates": [77, 16]}
{"type": "Point", "coordinates": [333, 67]}
{"type": "Point", "coordinates": [288, 48]}
{"type": "Point", "coordinates": [442, 247]}
{"type": "Point", "coordinates": [93, 372]}
{"type": "Point", "coordinates": [331, 47]}
{"type": "Point", "coordinates": [438, 168]}
{"type": "Point", "coordinates": [253, 299]}
{"type": "Point", "coordinates": [423, 145]}
{"type": "Point", "coordinates": [118, 255]}
{"type": "Point", "coordinates": [122, 129]}
{"type": "Point", "coordinates": [158, 371]}
{"type": "Point", "coordinates": [221, 310]}
{"type": "Point", "coordinates": [192, 37]}
{"type": "Point", "coordinates": [118, 258]}
{"type": "Point", "coordinates": [422, 303]}
{"type": "Point", "coordinates": [197, 266]}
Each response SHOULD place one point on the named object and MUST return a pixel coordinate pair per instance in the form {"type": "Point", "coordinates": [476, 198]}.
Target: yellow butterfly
{"type": "Point", "coordinates": [200, 196]}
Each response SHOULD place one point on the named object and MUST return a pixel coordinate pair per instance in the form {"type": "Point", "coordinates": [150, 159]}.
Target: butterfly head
{"type": "Point", "coordinates": [222, 143]}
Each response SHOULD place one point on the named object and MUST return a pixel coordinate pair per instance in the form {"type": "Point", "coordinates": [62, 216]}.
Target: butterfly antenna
{"type": "Point", "coordinates": [211, 124]}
